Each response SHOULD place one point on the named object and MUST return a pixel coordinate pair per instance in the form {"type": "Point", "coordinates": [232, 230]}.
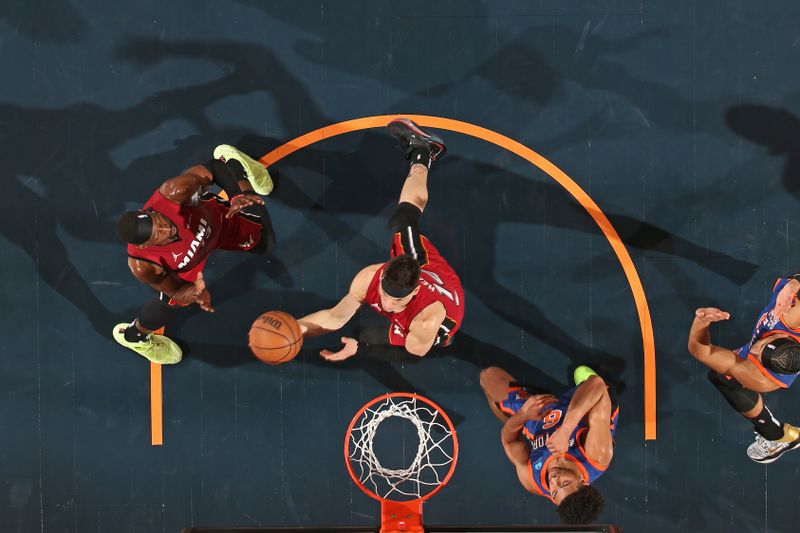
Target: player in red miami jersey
{"type": "Point", "coordinates": [171, 237]}
{"type": "Point", "coordinates": [416, 289]}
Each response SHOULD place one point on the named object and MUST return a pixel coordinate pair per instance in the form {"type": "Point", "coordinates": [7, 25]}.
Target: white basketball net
{"type": "Point", "coordinates": [429, 467]}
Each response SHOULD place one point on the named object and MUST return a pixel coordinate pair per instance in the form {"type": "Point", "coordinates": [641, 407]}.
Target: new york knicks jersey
{"type": "Point", "coordinates": [767, 325]}
{"type": "Point", "coordinates": [537, 432]}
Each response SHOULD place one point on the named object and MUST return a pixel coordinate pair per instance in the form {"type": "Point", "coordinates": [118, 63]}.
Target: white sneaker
{"type": "Point", "coordinates": [768, 451]}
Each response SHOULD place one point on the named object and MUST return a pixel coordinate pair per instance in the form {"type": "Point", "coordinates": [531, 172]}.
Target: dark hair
{"type": "Point", "coordinates": [402, 272]}
{"type": "Point", "coordinates": [134, 227]}
{"type": "Point", "coordinates": [582, 506]}
{"type": "Point", "coordinates": [782, 356]}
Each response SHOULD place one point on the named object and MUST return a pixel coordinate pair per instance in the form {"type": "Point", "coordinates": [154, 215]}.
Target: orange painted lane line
{"type": "Point", "coordinates": [156, 407]}
{"type": "Point", "coordinates": [611, 235]}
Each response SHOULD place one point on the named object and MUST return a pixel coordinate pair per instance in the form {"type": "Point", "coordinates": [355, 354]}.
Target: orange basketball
{"type": "Point", "coordinates": [275, 337]}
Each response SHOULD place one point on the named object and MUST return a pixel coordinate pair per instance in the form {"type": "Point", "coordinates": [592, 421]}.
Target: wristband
{"type": "Point", "coordinates": [392, 354]}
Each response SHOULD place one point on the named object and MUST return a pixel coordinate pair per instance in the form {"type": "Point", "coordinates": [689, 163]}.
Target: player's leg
{"type": "Point", "coordinates": [421, 149]}
{"type": "Point", "coordinates": [245, 167]}
{"type": "Point", "coordinates": [252, 177]}
{"type": "Point", "coordinates": [415, 187]}
{"type": "Point", "coordinates": [773, 438]}
{"type": "Point", "coordinates": [584, 372]}
{"type": "Point", "coordinates": [258, 213]}
{"type": "Point", "coordinates": [495, 383]}
{"type": "Point", "coordinates": [139, 335]}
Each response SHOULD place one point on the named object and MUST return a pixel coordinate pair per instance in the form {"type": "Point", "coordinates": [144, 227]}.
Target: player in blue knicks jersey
{"type": "Point", "coordinates": [558, 445]}
{"type": "Point", "coordinates": [769, 361]}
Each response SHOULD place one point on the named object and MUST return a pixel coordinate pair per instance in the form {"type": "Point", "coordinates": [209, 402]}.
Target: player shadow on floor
{"type": "Point", "coordinates": [62, 23]}
{"type": "Point", "coordinates": [41, 178]}
{"type": "Point", "coordinates": [724, 472]}
{"type": "Point", "coordinates": [517, 74]}
{"type": "Point", "coordinates": [777, 130]}
{"type": "Point", "coordinates": [41, 174]}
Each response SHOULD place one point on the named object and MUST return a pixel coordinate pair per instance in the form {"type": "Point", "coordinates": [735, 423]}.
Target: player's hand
{"type": "Point", "coordinates": [558, 441]}
{"type": "Point", "coordinates": [785, 298]}
{"type": "Point", "coordinates": [243, 200]}
{"type": "Point", "coordinates": [348, 351]}
{"type": "Point", "coordinates": [710, 315]}
{"type": "Point", "coordinates": [201, 295]}
{"type": "Point", "coordinates": [533, 407]}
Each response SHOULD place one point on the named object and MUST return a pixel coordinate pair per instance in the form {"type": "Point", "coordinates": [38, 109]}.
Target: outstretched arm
{"type": "Point", "coordinates": [718, 359]}
{"type": "Point", "coordinates": [722, 360]}
{"type": "Point", "coordinates": [333, 319]}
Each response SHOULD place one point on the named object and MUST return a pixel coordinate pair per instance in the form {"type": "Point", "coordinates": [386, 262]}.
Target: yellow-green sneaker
{"type": "Point", "coordinates": [156, 348]}
{"type": "Point", "coordinates": [257, 174]}
{"type": "Point", "coordinates": [581, 374]}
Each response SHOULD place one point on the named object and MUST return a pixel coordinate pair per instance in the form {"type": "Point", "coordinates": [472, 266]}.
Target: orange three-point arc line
{"type": "Point", "coordinates": [645, 322]}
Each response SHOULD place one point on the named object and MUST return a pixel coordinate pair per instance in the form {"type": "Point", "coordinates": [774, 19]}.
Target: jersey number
{"type": "Point", "coordinates": [551, 418]}
{"type": "Point", "coordinates": [437, 286]}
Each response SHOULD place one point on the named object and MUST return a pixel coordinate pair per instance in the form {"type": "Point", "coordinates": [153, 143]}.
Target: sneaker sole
{"type": "Point", "coordinates": [433, 139]}
{"type": "Point", "coordinates": [257, 174]}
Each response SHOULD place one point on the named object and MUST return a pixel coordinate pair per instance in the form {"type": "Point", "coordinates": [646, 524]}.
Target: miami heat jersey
{"type": "Point", "coordinates": [767, 325]}
{"type": "Point", "coordinates": [538, 431]}
{"type": "Point", "coordinates": [201, 229]}
{"type": "Point", "coordinates": [438, 283]}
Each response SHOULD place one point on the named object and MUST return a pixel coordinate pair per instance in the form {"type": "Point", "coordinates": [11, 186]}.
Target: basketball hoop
{"type": "Point", "coordinates": [401, 491]}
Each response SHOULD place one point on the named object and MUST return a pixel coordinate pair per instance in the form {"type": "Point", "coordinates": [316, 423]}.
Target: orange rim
{"type": "Point", "coordinates": [381, 398]}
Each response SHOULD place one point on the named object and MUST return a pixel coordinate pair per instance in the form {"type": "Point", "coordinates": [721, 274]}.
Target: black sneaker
{"type": "Point", "coordinates": [411, 136]}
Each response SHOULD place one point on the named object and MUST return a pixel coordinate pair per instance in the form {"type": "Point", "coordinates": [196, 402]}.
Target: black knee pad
{"type": "Point", "coordinates": [232, 170]}
{"type": "Point", "coordinates": [157, 312]}
{"type": "Point", "coordinates": [406, 214]}
{"type": "Point", "coordinates": [738, 397]}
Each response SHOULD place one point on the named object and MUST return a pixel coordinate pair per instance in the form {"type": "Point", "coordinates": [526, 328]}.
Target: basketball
{"type": "Point", "coordinates": [275, 337]}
